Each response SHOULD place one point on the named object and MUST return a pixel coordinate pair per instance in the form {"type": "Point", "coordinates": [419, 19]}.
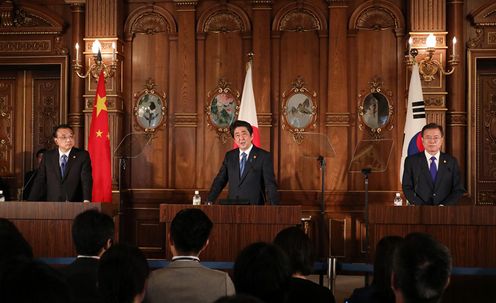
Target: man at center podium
{"type": "Point", "coordinates": [248, 169]}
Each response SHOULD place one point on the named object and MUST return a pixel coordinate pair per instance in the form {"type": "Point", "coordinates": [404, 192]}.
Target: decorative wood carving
{"type": "Point", "coordinates": [185, 120]}
{"type": "Point", "coordinates": [456, 118]}
{"type": "Point", "coordinates": [224, 18]}
{"type": "Point", "coordinates": [377, 15]}
{"type": "Point", "coordinates": [265, 120]}
{"type": "Point", "coordinates": [299, 17]}
{"type": "Point", "coordinates": [338, 119]}
{"type": "Point", "coordinates": [434, 101]}
{"type": "Point", "coordinates": [484, 21]}
{"type": "Point", "coordinates": [28, 19]}
{"type": "Point", "coordinates": [6, 125]}
{"type": "Point", "coordinates": [222, 108]}
{"type": "Point", "coordinates": [486, 197]}
{"type": "Point", "coordinates": [299, 110]}
{"type": "Point", "coordinates": [149, 20]}
{"type": "Point", "coordinates": [375, 108]}
{"type": "Point", "coordinates": [47, 111]}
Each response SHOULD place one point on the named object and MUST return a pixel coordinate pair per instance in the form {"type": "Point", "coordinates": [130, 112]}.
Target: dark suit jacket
{"type": "Point", "coordinates": [82, 276]}
{"type": "Point", "coordinates": [75, 186]}
{"type": "Point", "coordinates": [257, 178]}
{"type": "Point", "coordinates": [419, 188]}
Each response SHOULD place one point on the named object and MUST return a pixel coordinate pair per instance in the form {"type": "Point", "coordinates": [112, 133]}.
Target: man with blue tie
{"type": "Point", "coordinates": [248, 169]}
{"type": "Point", "coordinates": [432, 177]}
{"type": "Point", "coordinates": [65, 172]}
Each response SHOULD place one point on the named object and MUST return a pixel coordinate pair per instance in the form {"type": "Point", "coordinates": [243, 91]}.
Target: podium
{"type": "Point", "coordinates": [235, 226]}
{"type": "Point", "coordinates": [47, 225]}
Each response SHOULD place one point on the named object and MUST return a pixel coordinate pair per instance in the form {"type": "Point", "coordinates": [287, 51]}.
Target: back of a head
{"type": "Point", "coordinates": [122, 273]}
{"type": "Point", "coordinates": [297, 245]}
{"type": "Point", "coordinates": [383, 261]}
{"type": "Point", "coordinates": [262, 270]}
{"type": "Point", "coordinates": [12, 242]}
{"type": "Point", "coordinates": [90, 231]}
{"type": "Point", "coordinates": [421, 267]}
{"type": "Point", "coordinates": [25, 280]}
{"type": "Point", "coordinates": [190, 230]}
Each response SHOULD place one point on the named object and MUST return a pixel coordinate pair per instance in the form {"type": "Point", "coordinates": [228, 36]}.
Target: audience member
{"type": "Point", "coordinates": [92, 233]}
{"type": "Point", "coordinates": [12, 242]}
{"type": "Point", "coordinates": [30, 175]}
{"type": "Point", "coordinates": [421, 269]}
{"type": "Point", "coordinates": [25, 280]}
{"type": "Point", "coordinates": [262, 270]}
{"type": "Point", "coordinates": [380, 290]}
{"type": "Point", "coordinates": [122, 274]}
{"type": "Point", "coordinates": [185, 279]}
{"type": "Point", "coordinates": [297, 245]}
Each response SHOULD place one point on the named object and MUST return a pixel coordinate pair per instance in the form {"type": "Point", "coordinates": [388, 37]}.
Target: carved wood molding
{"type": "Point", "coordinates": [483, 20]}
{"type": "Point", "coordinates": [338, 119]}
{"type": "Point", "coordinates": [265, 120]}
{"type": "Point", "coordinates": [486, 197]}
{"type": "Point", "coordinates": [224, 18]}
{"type": "Point", "coordinates": [28, 19]}
{"type": "Point", "coordinates": [299, 17]}
{"type": "Point", "coordinates": [261, 4]}
{"type": "Point", "coordinates": [456, 118]}
{"type": "Point", "coordinates": [185, 120]}
{"type": "Point", "coordinates": [434, 101]}
{"type": "Point", "coordinates": [377, 15]}
{"type": "Point", "coordinates": [186, 5]}
{"type": "Point", "coordinates": [149, 20]}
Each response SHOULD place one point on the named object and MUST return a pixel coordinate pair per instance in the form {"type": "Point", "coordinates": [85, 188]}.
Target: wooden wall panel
{"type": "Point", "coordinates": [150, 60]}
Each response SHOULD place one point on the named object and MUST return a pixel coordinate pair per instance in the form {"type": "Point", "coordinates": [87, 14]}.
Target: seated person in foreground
{"type": "Point", "coordinates": [263, 270]}
{"type": "Point", "coordinates": [421, 269]}
{"type": "Point", "coordinates": [185, 279]}
{"type": "Point", "coordinates": [92, 233]}
{"type": "Point", "coordinates": [380, 290]}
{"type": "Point", "coordinates": [122, 274]}
{"type": "Point", "coordinates": [297, 245]}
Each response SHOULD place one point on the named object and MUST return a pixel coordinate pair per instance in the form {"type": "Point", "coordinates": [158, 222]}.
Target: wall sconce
{"type": "Point", "coordinates": [98, 65]}
{"type": "Point", "coordinates": [429, 67]}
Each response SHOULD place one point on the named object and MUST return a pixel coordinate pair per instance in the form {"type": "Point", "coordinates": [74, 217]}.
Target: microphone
{"type": "Point", "coordinates": [27, 183]}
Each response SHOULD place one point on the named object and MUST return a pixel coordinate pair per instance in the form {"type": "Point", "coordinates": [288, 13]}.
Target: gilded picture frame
{"type": "Point", "coordinates": [222, 108]}
{"type": "Point", "coordinates": [150, 110]}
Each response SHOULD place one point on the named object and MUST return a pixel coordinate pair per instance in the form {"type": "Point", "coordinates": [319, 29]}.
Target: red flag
{"type": "Point", "coordinates": [99, 146]}
{"type": "Point", "coordinates": [247, 108]}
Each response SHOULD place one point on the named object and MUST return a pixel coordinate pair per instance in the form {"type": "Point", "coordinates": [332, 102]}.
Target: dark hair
{"type": "Point", "coordinates": [190, 230]}
{"type": "Point", "coordinates": [122, 273]}
{"type": "Point", "coordinates": [12, 242]}
{"type": "Point", "coordinates": [25, 280]}
{"type": "Point", "coordinates": [238, 299]}
{"type": "Point", "coordinates": [40, 151]}
{"type": "Point", "coordinates": [241, 123]}
{"type": "Point", "coordinates": [262, 270]}
{"type": "Point", "coordinates": [421, 267]}
{"type": "Point", "coordinates": [432, 126]}
{"type": "Point", "coordinates": [383, 266]}
{"type": "Point", "coordinates": [297, 245]}
{"type": "Point", "coordinates": [90, 231]}
{"type": "Point", "coordinates": [61, 126]}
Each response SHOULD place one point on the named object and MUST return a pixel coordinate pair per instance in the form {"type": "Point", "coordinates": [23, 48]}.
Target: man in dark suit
{"type": "Point", "coordinates": [93, 234]}
{"type": "Point", "coordinates": [432, 177]}
{"type": "Point", "coordinates": [65, 172]}
{"type": "Point", "coordinates": [248, 169]}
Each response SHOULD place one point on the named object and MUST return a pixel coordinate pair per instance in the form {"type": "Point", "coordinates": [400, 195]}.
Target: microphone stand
{"type": "Point", "coordinates": [26, 184]}
{"type": "Point", "coordinates": [366, 172]}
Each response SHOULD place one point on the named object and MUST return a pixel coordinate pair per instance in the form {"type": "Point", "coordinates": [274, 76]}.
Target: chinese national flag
{"type": "Point", "coordinates": [99, 146]}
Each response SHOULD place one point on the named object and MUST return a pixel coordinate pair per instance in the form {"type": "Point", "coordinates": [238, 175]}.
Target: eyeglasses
{"type": "Point", "coordinates": [64, 138]}
{"type": "Point", "coordinates": [434, 139]}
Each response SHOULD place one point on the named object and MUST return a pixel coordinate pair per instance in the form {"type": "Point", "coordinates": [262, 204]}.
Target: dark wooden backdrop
{"type": "Point", "coordinates": [187, 46]}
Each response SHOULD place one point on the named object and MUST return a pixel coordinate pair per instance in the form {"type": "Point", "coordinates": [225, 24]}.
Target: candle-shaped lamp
{"type": "Point", "coordinates": [113, 51]}
{"type": "Point", "coordinates": [430, 41]}
{"type": "Point", "coordinates": [410, 42]}
{"type": "Point", "coordinates": [77, 52]}
{"type": "Point", "coordinates": [454, 46]}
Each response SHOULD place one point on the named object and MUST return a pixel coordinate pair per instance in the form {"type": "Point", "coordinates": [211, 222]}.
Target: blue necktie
{"type": "Point", "coordinates": [63, 165]}
{"type": "Point", "coordinates": [242, 164]}
{"type": "Point", "coordinates": [433, 169]}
